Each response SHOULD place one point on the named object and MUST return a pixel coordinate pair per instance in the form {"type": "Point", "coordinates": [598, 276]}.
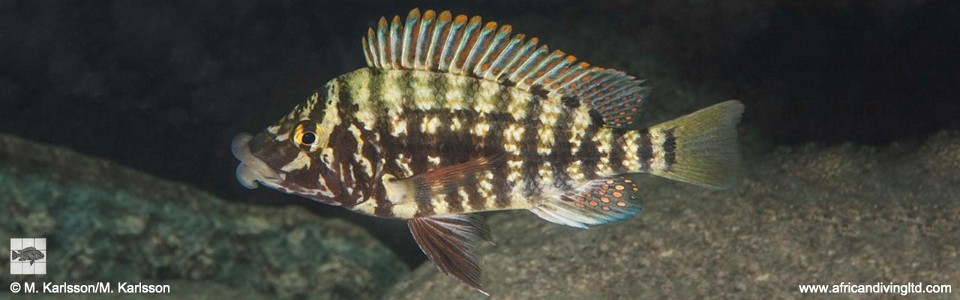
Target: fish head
{"type": "Point", "coordinates": [291, 155]}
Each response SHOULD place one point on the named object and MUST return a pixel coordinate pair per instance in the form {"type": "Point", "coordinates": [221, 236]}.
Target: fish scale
{"type": "Point", "coordinates": [454, 116]}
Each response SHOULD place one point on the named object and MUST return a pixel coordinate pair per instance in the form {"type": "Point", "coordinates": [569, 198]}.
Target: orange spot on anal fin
{"type": "Point", "coordinates": [600, 201]}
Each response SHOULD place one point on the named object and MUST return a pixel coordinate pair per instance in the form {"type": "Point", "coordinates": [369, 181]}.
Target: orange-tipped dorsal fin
{"type": "Point", "coordinates": [463, 45]}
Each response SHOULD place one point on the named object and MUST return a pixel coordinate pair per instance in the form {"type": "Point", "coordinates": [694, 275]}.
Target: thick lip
{"type": "Point", "coordinates": [251, 168]}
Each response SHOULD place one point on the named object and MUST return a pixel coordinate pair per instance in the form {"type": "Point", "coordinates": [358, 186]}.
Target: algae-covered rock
{"type": "Point", "coordinates": [811, 215]}
{"type": "Point", "coordinates": [104, 222]}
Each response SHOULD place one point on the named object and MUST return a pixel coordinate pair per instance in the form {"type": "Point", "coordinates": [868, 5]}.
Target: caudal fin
{"type": "Point", "coordinates": [14, 254]}
{"type": "Point", "coordinates": [700, 148]}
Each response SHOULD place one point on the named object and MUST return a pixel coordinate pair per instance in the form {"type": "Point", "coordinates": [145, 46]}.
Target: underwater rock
{"type": "Point", "coordinates": [105, 222]}
{"type": "Point", "coordinates": [811, 215]}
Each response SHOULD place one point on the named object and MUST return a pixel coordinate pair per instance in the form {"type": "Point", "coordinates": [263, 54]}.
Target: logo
{"type": "Point", "coordinates": [28, 256]}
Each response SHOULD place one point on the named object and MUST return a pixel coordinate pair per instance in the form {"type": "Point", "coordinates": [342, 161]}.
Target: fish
{"type": "Point", "coordinates": [28, 253]}
{"type": "Point", "coordinates": [453, 116]}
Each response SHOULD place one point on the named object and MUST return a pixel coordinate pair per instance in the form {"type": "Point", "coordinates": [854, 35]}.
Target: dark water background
{"type": "Point", "coordinates": [163, 86]}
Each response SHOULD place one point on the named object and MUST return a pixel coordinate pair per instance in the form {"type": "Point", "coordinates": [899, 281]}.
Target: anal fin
{"type": "Point", "coordinates": [599, 201]}
{"type": "Point", "coordinates": [450, 242]}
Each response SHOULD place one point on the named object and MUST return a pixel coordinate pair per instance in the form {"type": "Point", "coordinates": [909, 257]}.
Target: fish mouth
{"type": "Point", "coordinates": [251, 169]}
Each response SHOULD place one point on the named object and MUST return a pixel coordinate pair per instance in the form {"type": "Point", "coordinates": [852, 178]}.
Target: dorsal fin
{"type": "Point", "coordinates": [464, 45]}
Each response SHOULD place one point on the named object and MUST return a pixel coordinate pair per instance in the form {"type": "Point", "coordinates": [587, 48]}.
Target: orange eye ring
{"type": "Point", "coordinates": [306, 135]}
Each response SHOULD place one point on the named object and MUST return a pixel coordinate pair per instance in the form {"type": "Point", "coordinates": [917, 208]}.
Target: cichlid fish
{"type": "Point", "coordinates": [28, 253]}
{"type": "Point", "coordinates": [453, 116]}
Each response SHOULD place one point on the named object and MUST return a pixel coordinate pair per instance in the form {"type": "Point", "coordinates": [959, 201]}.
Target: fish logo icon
{"type": "Point", "coordinates": [29, 253]}
{"type": "Point", "coordinates": [28, 256]}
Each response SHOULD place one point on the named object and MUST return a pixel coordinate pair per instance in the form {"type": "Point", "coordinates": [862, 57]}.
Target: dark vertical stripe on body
{"type": "Point", "coordinates": [615, 157]}
{"type": "Point", "coordinates": [493, 145]}
{"type": "Point", "coordinates": [501, 185]}
{"type": "Point", "coordinates": [473, 193]}
{"type": "Point", "coordinates": [450, 140]}
{"type": "Point", "coordinates": [589, 154]}
{"type": "Point", "coordinates": [346, 109]}
{"type": "Point", "coordinates": [344, 150]}
{"type": "Point", "coordinates": [415, 138]}
{"type": "Point", "coordinates": [454, 202]}
{"type": "Point", "coordinates": [371, 183]}
{"type": "Point", "coordinates": [344, 161]}
{"type": "Point", "coordinates": [388, 143]}
{"type": "Point", "coordinates": [438, 85]}
{"type": "Point", "coordinates": [384, 209]}
{"type": "Point", "coordinates": [645, 153]}
{"type": "Point", "coordinates": [669, 148]}
{"type": "Point", "coordinates": [528, 147]}
{"type": "Point", "coordinates": [414, 118]}
{"type": "Point", "coordinates": [493, 141]}
{"type": "Point", "coordinates": [498, 120]}
{"type": "Point", "coordinates": [560, 156]}
{"type": "Point", "coordinates": [453, 145]}
{"type": "Point", "coordinates": [422, 194]}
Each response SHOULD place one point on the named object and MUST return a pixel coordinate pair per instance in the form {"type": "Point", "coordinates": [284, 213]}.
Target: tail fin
{"type": "Point", "coordinates": [15, 254]}
{"type": "Point", "coordinates": [701, 148]}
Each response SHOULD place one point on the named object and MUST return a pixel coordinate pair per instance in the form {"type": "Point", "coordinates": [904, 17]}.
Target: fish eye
{"type": "Point", "coordinates": [308, 138]}
{"type": "Point", "coordinates": [305, 135]}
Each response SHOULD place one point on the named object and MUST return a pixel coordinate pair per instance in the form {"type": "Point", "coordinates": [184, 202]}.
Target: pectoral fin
{"type": "Point", "coordinates": [435, 192]}
{"type": "Point", "coordinates": [452, 176]}
{"type": "Point", "coordinates": [450, 242]}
